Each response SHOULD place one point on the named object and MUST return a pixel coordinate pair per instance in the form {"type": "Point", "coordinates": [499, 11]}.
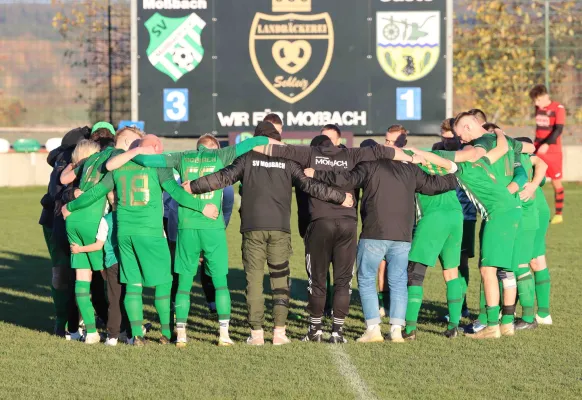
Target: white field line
{"type": "Point", "coordinates": [348, 370]}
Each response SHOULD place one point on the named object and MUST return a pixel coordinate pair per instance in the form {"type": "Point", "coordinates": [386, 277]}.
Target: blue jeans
{"type": "Point", "coordinates": [370, 253]}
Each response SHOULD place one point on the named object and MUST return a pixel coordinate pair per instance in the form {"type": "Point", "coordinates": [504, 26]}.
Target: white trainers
{"type": "Point", "coordinates": [478, 326]}
{"type": "Point", "coordinates": [181, 337]}
{"type": "Point", "coordinates": [111, 342]}
{"type": "Point", "coordinates": [75, 336]}
{"type": "Point", "coordinates": [92, 338]}
{"type": "Point", "coordinates": [280, 337]}
{"type": "Point", "coordinates": [396, 334]}
{"type": "Point", "coordinates": [372, 335]}
{"type": "Point", "coordinates": [224, 341]}
{"type": "Point", "coordinates": [544, 320]}
{"type": "Point", "coordinates": [257, 338]}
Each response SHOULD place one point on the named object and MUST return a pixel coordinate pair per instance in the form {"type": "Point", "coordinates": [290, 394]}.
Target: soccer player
{"type": "Point", "coordinates": [479, 114]}
{"type": "Point", "coordinates": [550, 120]}
{"type": "Point", "coordinates": [106, 240]}
{"type": "Point", "coordinates": [532, 192]}
{"type": "Point", "coordinates": [144, 253]}
{"type": "Point", "coordinates": [396, 136]}
{"type": "Point", "coordinates": [196, 232]}
{"type": "Point", "coordinates": [470, 131]}
{"type": "Point", "coordinates": [438, 234]}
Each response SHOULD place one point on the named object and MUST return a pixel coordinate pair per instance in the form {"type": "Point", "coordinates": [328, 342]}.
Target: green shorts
{"type": "Point", "coordinates": [539, 247]}
{"type": "Point", "coordinates": [191, 242]}
{"type": "Point", "coordinates": [84, 233]}
{"type": "Point", "coordinates": [498, 239]}
{"type": "Point", "coordinates": [438, 235]}
{"type": "Point", "coordinates": [145, 260]}
{"type": "Point", "coordinates": [524, 246]}
{"type": "Point", "coordinates": [468, 242]}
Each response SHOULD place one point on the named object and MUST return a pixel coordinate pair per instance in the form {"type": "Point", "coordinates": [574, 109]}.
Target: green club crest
{"type": "Point", "coordinates": [175, 48]}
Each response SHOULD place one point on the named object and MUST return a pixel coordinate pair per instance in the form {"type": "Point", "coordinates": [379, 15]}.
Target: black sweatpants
{"type": "Point", "coordinates": [330, 241]}
{"type": "Point", "coordinates": [117, 320]}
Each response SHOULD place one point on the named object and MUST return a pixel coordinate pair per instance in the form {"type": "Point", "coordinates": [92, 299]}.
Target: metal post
{"type": "Point", "coordinates": [449, 59]}
{"type": "Point", "coordinates": [547, 25]}
{"type": "Point", "coordinates": [110, 76]}
{"type": "Point", "coordinates": [134, 93]}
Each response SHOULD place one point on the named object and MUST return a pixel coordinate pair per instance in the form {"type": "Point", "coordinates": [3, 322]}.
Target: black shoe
{"type": "Point", "coordinates": [451, 333]}
{"type": "Point", "coordinates": [409, 336]}
{"type": "Point", "coordinates": [520, 324]}
{"type": "Point", "coordinates": [137, 341]}
{"type": "Point", "coordinates": [337, 338]}
{"type": "Point", "coordinates": [313, 336]}
{"type": "Point", "coordinates": [165, 340]}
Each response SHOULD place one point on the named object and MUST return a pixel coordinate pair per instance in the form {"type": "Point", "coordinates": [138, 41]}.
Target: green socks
{"type": "Point", "coordinates": [454, 301]}
{"type": "Point", "coordinates": [183, 298]}
{"type": "Point", "coordinates": [526, 290]}
{"type": "Point", "coordinates": [482, 306]}
{"type": "Point", "coordinates": [222, 297]}
{"type": "Point", "coordinates": [163, 304]}
{"type": "Point", "coordinates": [60, 299]}
{"type": "Point", "coordinates": [134, 308]}
{"type": "Point", "coordinates": [83, 295]}
{"type": "Point", "coordinates": [492, 315]}
{"type": "Point", "coordinates": [413, 307]}
{"type": "Point", "coordinates": [542, 281]}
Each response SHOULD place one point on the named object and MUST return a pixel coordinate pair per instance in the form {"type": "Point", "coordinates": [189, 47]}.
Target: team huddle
{"type": "Point", "coordinates": [107, 224]}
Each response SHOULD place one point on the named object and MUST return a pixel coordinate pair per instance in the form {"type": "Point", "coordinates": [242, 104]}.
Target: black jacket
{"type": "Point", "coordinates": [388, 206]}
{"type": "Point", "coordinates": [328, 158]}
{"type": "Point", "coordinates": [267, 181]}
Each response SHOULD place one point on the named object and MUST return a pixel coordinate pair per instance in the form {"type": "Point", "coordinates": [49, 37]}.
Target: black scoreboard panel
{"type": "Point", "coordinates": [220, 66]}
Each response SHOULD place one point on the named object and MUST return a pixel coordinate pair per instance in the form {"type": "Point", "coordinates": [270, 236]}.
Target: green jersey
{"type": "Point", "coordinates": [529, 216]}
{"type": "Point", "coordinates": [504, 168]}
{"type": "Point", "coordinates": [191, 165]}
{"type": "Point", "coordinates": [438, 203]}
{"type": "Point", "coordinates": [92, 170]}
{"type": "Point", "coordinates": [110, 247]}
{"type": "Point", "coordinates": [482, 187]}
{"type": "Point", "coordinates": [139, 201]}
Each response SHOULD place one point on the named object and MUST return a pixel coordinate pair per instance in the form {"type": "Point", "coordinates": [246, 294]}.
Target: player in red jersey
{"type": "Point", "coordinates": [550, 119]}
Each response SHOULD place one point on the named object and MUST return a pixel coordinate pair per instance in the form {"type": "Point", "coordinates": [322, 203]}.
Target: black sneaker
{"type": "Point", "coordinates": [137, 341]}
{"type": "Point", "coordinates": [337, 338]}
{"type": "Point", "coordinates": [520, 324]}
{"type": "Point", "coordinates": [313, 336]}
{"type": "Point", "coordinates": [451, 333]}
{"type": "Point", "coordinates": [409, 336]}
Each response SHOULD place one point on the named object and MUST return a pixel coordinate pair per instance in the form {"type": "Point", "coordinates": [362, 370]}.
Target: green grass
{"type": "Point", "coordinates": [538, 364]}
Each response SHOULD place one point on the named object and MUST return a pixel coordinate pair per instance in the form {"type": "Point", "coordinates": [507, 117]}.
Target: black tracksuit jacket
{"type": "Point", "coordinates": [266, 198]}
{"type": "Point", "coordinates": [388, 200]}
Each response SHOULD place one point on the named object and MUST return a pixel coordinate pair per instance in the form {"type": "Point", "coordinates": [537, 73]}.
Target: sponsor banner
{"type": "Point", "coordinates": [298, 138]}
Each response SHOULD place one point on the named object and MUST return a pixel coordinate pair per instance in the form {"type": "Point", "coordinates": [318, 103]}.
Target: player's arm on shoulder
{"type": "Point", "coordinates": [70, 172]}
{"type": "Point", "coordinates": [495, 153]}
{"type": "Point", "coordinates": [433, 184]}
{"type": "Point", "coordinates": [166, 160]}
{"type": "Point", "coordinates": [314, 188]}
{"type": "Point", "coordinates": [299, 154]}
{"type": "Point", "coordinates": [218, 180]}
{"type": "Point", "coordinates": [349, 179]}
{"type": "Point", "coordinates": [96, 193]}
{"type": "Point", "coordinates": [469, 154]}
{"type": "Point", "coordinates": [436, 159]}
{"type": "Point", "coordinates": [177, 192]}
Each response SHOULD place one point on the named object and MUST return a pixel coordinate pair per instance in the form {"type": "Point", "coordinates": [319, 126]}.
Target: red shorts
{"type": "Point", "coordinates": [554, 161]}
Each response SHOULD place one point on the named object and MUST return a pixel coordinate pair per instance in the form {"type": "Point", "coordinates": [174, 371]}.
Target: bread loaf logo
{"type": "Point", "coordinates": [291, 53]}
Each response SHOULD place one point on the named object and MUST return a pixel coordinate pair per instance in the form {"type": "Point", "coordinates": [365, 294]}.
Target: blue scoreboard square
{"type": "Point", "coordinates": [175, 105]}
{"type": "Point", "coordinates": [408, 104]}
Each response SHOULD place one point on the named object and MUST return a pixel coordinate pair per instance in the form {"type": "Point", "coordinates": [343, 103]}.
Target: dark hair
{"type": "Point", "coordinates": [478, 113]}
{"type": "Point", "coordinates": [103, 137]}
{"type": "Point", "coordinates": [447, 124]}
{"type": "Point", "coordinates": [524, 139]}
{"type": "Point", "coordinates": [273, 118]}
{"type": "Point", "coordinates": [460, 116]}
{"type": "Point", "coordinates": [368, 143]}
{"type": "Point", "coordinates": [490, 125]}
{"type": "Point", "coordinates": [537, 91]}
{"type": "Point", "coordinates": [267, 129]}
{"type": "Point", "coordinates": [397, 128]}
{"type": "Point", "coordinates": [321, 140]}
{"type": "Point", "coordinates": [332, 127]}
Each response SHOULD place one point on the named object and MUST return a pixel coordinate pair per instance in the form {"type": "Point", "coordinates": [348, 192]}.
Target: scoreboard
{"type": "Point", "coordinates": [220, 66]}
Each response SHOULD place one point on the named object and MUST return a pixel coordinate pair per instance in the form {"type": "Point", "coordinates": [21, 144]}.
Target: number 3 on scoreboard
{"type": "Point", "coordinates": [408, 104]}
{"type": "Point", "coordinates": [175, 105]}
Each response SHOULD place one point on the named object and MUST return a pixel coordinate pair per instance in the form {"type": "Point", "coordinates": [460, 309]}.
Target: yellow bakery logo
{"type": "Point", "coordinates": [291, 53]}
{"type": "Point", "coordinates": [408, 43]}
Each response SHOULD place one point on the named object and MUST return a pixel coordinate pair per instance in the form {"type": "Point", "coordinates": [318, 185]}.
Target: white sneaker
{"type": "Point", "coordinates": [478, 326]}
{"type": "Point", "coordinates": [92, 338]}
{"type": "Point", "coordinates": [396, 334]}
{"type": "Point", "coordinates": [111, 342]}
{"type": "Point", "coordinates": [257, 338]}
{"type": "Point", "coordinates": [224, 341]}
{"type": "Point", "coordinates": [373, 334]}
{"type": "Point", "coordinates": [75, 336]}
{"type": "Point", "coordinates": [544, 320]}
{"type": "Point", "coordinates": [181, 337]}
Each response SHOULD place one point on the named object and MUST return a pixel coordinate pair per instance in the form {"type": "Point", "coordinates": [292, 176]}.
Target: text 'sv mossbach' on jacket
{"type": "Point", "coordinates": [389, 187]}
{"type": "Point", "coordinates": [266, 198]}
{"type": "Point", "coordinates": [328, 158]}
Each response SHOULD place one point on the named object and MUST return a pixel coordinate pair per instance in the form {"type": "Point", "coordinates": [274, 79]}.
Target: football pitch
{"type": "Point", "coordinates": [545, 363]}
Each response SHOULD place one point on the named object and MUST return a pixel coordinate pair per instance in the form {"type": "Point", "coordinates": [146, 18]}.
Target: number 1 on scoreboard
{"type": "Point", "coordinates": [408, 104]}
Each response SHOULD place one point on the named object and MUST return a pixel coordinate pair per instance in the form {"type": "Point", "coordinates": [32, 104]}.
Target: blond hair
{"type": "Point", "coordinates": [122, 132]}
{"type": "Point", "coordinates": [84, 149]}
{"type": "Point", "coordinates": [207, 137]}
